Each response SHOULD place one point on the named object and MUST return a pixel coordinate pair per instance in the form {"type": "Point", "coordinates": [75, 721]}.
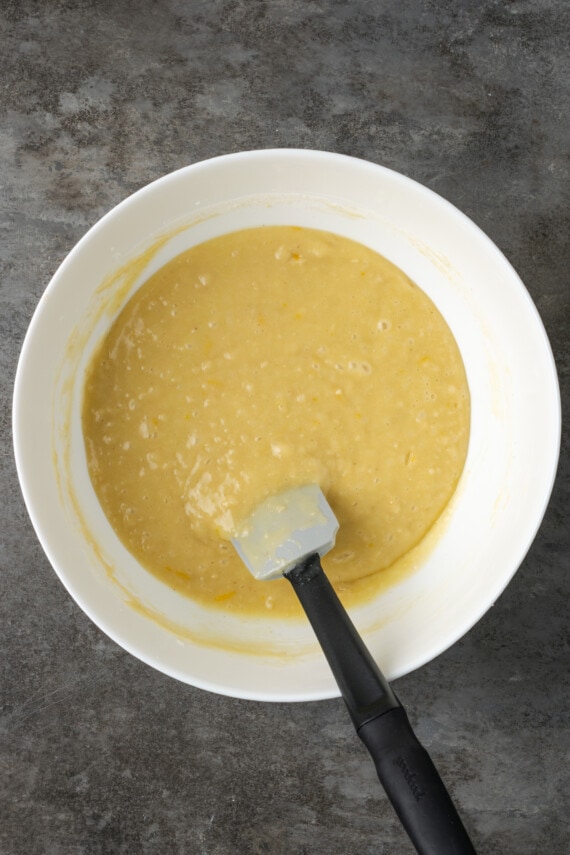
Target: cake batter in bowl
{"type": "Point", "coordinates": [453, 575]}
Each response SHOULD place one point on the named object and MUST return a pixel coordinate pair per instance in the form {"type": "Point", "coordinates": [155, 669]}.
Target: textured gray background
{"type": "Point", "coordinates": [100, 754]}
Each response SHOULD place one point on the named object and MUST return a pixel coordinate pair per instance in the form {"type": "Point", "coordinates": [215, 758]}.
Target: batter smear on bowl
{"type": "Point", "coordinates": [262, 360]}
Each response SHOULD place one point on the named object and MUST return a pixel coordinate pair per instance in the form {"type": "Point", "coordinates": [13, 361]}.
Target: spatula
{"type": "Point", "coordinates": [286, 536]}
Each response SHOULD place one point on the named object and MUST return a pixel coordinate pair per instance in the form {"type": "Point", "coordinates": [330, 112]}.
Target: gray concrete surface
{"type": "Point", "coordinates": [98, 753]}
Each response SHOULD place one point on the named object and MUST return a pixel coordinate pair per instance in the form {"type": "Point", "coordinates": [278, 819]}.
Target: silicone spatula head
{"type": "Point", "coordinates": [285, 529]}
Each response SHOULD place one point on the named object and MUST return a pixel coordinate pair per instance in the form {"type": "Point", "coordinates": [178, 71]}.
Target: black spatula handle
{"type": "Point", "coordinates": [414, 786]}
{"type": "Point", "coordinates": [404, 767]}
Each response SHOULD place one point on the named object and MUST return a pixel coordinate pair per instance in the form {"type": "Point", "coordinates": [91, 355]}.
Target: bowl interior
{"type": "Point", "coordinates": [515, 428]}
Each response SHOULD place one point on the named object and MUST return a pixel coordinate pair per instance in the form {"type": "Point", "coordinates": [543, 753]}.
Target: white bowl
{"type": "Point", "coordinates": [515, 430]}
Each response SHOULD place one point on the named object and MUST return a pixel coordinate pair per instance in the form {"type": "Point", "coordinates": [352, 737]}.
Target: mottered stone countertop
{"type": "Point", "coordinates": [100, 754]}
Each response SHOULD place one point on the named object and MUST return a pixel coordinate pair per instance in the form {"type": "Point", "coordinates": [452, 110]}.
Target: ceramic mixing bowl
{"type": "Point", "coordinates": [514, 441]}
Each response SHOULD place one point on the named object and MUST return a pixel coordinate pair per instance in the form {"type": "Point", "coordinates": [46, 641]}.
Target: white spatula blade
{"type": "Point", "coordinates": [285, 529]}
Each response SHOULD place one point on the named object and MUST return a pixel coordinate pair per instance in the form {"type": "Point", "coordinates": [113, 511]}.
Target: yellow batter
{"type": "Point", "coordinates": [261, 360]}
